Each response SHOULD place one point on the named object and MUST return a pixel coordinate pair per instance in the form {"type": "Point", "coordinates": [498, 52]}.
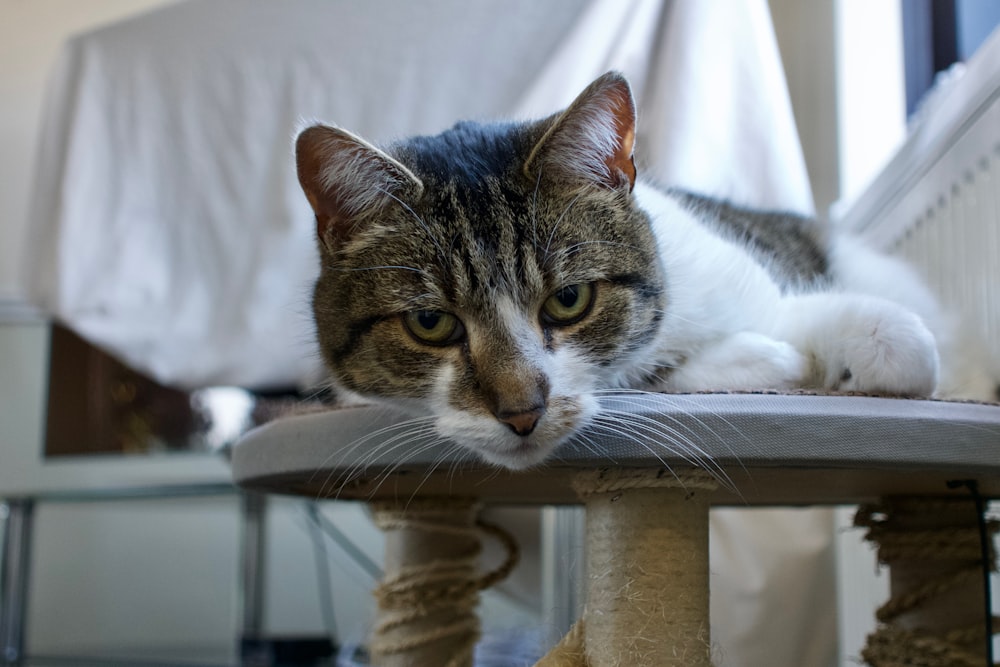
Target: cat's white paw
{"type": "Point", "coordinates": [745, 360]}
{"type": "Point", "coordinates": [879, 347]}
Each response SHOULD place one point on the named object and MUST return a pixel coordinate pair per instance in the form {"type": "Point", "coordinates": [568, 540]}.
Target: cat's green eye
{"type": "Point", "coordinates": [433, 326]}
{"type": "Point", "coordinates": [568, 305]}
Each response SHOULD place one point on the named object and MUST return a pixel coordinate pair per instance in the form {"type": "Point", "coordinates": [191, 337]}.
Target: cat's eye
{"type": "Point", "coordinates": [568, 305]}
{"type": "Point", "coordinates": [433, 326]}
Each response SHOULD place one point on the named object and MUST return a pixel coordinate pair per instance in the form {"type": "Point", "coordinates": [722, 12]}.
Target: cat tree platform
{"type": "Point", "coordinates": [919, 468]}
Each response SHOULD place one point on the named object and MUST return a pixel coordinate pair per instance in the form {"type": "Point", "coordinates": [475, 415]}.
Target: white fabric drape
{"type": "Point", "coordinates": [168, 226]}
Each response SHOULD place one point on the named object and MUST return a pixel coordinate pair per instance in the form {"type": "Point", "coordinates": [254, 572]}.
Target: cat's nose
{"type": "Point", "coordinates": [522, 423]}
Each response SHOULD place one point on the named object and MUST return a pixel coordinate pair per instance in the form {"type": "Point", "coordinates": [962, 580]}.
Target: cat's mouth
{"type": "Point", "coordinates": [495, 443]}
{"type": "Point", "coordinates": [527, 452]}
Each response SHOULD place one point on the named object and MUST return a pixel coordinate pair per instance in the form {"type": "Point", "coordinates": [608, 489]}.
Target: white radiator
{"type": "Point", "coordinates": [937, 203]}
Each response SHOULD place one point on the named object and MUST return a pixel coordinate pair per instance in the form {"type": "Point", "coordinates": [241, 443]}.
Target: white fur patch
{"type": "Point", "coordinates": [744, 360]}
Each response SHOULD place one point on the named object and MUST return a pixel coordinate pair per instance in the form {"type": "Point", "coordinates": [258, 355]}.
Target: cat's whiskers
{"type": "Point", "coordinates": [495, 472]}
{"type": "Point", "coordinates": [674, 316]}
{"type": "Point", "coordinates": [405, 458]}
{"type": "Point", "coordinates": [637, 396]}
{"type": "Point", "coordinates": [649, 436]}
{"type": "Point", "coordinates": [385, 475]}
{"type": "Point", "coordinates": [382, 475]}
{"type": "Point", "coordinates": [655, 431]}
{"type": "Point", "coordinates": [733, 429]}
{"type": "Point", "coordinates": [679, 428]}
{"type": "Point", "coordinates": [614, 427]}
{"type": "Point", "coordinates": [658, 397]}
{"type": "Point", "coordinates": [318, 391]}
{"type": "Point", "coordinates": [373, 435]}
{"type": "Point", "coordinates": [410, 428]}
{"type": "Point", "coordinates": [590, 445]}
{"type": "Point", "coordinates": [391, 445]}
{"type": "Point", "coordinates": [675, 441]}
{"type": "Point", "coordinates": [453, 453]}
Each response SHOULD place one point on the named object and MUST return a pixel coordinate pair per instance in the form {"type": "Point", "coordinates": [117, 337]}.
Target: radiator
{"type": "Point", "coordinates": [937, 203]}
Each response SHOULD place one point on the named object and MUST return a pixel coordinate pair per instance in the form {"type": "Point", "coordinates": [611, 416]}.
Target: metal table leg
{"type": "Point", "coordinates": [15, 552]}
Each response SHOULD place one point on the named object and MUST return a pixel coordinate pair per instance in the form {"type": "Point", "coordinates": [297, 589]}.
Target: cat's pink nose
{"type": "Point", "coordinates": [522, 423]}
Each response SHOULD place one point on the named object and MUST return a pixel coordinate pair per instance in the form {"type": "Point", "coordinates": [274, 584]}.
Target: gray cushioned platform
{"type": "Point", "coordinates": [765, 448]}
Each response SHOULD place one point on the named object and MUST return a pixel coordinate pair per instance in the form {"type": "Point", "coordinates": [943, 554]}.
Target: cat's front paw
{"type": "Point", "coordinates": [880, 347]}
{"type": "Point", "coordinates": [742, 361]}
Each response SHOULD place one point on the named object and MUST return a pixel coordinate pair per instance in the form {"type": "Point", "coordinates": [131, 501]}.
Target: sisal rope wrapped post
{"type": "Point", "coordinates": [647, 556]}
{"type": "Point", "coordinates": [428, 595]}
{"type": "Point", "coordinates": [935, 615]}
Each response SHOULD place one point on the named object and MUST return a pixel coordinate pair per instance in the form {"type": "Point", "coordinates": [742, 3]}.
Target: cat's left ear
{"type": "Point", "coordinates": [592, 141]}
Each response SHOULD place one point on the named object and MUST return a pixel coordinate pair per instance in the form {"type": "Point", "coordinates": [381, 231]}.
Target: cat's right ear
{"type": "Point", "coordinates": [347, 180]}
{"type": "Point", "coordinates": [592, 141]}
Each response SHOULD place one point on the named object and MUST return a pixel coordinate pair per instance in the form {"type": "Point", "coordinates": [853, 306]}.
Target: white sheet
{"type": "Point", "coordinates": [168, 226]}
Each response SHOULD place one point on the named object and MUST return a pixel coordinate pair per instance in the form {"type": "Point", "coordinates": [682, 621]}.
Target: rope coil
{"type": "Point", "coordinates": [433, 601]}
{"type": "Point", "coordinates": [921, 533]}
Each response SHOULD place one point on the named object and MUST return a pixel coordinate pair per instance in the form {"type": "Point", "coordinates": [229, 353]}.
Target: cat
{"type": "Point", "coordinates": [499, 277]}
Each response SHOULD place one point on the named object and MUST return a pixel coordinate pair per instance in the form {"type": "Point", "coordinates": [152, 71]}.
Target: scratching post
{"type": "Point", "coordinates": [647, 584]}
{"type": "Point", "coordinates": [428, 595]}
{"type": "Point", "coordinates": [935, 614]}
{"type": "Point", "coordinates": [427, 598]}
{"type": "Point", "coordinates": [648, 543]}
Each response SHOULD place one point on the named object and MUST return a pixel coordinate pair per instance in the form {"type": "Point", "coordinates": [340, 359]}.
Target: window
{"type": "Point", "coordinates": [939, 33]}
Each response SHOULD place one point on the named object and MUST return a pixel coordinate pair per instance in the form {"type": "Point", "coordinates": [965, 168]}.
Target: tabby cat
{"type": "Point", "coordinates": [500, 277]}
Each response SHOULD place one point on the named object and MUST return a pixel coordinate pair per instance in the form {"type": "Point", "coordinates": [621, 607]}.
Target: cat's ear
{"type": "Point", "coordinates": [347, 180]}
{"type": "Point", "coordinates": [592, 141]}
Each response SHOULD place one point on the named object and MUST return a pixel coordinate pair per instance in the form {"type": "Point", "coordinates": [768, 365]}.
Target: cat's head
{"type": "Point", "coordinates": [493, 276]}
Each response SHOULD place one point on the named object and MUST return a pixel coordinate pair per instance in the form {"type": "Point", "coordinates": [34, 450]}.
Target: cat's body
{"type": "Point", "coordinates": [743, 320]}
{"type": "Point", "coordinates": [498, 278]}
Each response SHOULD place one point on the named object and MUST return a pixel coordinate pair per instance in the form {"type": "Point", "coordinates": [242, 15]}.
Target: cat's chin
{"type": "Point", "coordinates": [496, 444]}
{"type": "Point", "coordinates": [505, 449]}
{"type": "Point", "coordinates": [521, 456]}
